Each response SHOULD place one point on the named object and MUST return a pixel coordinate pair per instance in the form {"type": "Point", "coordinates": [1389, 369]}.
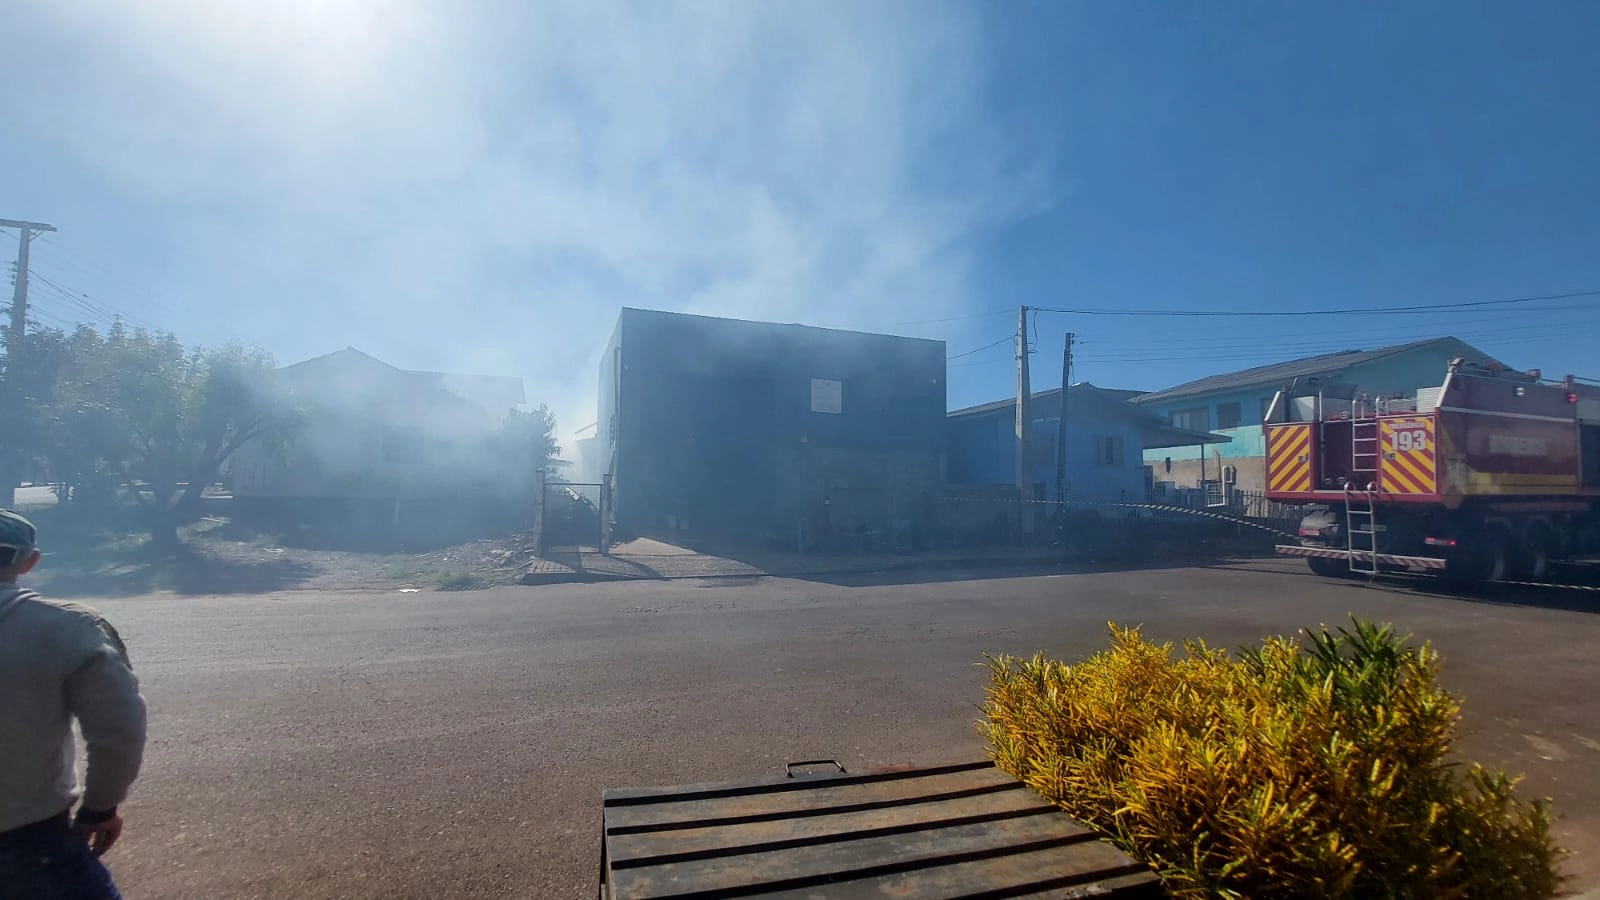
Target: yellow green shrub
{"type": "Point", "coordinates": [1307, 769]}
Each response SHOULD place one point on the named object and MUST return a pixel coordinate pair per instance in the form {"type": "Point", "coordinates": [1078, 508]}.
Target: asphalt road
{"type": "Point", "coordinates": [456, 744]}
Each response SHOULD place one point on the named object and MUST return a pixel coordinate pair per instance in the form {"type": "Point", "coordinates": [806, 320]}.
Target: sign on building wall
{"type": "Point", "coordinates": [827, 396]}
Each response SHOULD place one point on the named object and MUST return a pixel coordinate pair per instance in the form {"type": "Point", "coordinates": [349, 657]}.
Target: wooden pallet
{"type": "Point", "coordinates": [966, 830]}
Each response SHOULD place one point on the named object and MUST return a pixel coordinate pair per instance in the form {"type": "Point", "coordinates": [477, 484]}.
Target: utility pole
{"type": "Point", "coordinates": [19, 294]}
{"type": "Point", "coordinates": [11, 457]}
{"type": "Point", "coordinates": [1024, 424]}
{"type": "Point", "coordinates": [1061, 421]}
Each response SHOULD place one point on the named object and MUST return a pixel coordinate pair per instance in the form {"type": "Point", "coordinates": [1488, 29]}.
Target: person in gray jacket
{"type": "Point", "coordinates": [60, 662]}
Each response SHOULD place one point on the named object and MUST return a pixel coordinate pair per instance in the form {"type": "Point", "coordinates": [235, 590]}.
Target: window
{"type": "Point", "coordinates": [1108, 450]}
{"type": "Point", "coordinates": [1197, 419]}
{"type": "Point", "coordinates": [402, 445]}
{"type": "Point", "coordinates": [1228, 415]}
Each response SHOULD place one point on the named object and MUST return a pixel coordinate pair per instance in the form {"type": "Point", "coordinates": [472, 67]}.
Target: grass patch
{"type": "Point", "coordinates": [459, 581]}
{"type": "Point", "coordinates": [1294, 769]}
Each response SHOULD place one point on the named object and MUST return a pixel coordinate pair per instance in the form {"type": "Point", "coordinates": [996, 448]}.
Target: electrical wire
{"type": "Point", "coordinates": [982, 315]}
{"type": "Point", "coordinates": [1310, 347]}
{"type": "Point", "coordinates": [97, 309]}
{"type": "Point", "coordinates": [38, 314]}
{"type": "Point", "coordinates": [81, 299]}
{"type": "Point", "coordinates": [57, 253]}
{"type": "Point", "coordinates": [1008, 339]}
{"type": "Point", "coordinates": [1347, 311]}
{"type": "Point", "coordinates": [1270, 354]}
{"type": "Point", "coordinates": [80, 304]}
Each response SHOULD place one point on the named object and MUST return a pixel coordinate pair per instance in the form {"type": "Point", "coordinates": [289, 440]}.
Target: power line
{"type": "Point", "coordinates": [93, 307]}
{"type": "Point", "coordinates": [36, 314]}
{"type": "Point", "coordinates": [1267, 352]}
{"type": "Point", "coordinates": [74, 306]}
{"type": "Point", "coordinates": [1339, 342]}
{"type": "Point", "coordinates": [1347, 311]}
{"type": "Point", "coordinates": [68, 311]}
{"type": "Point", "coordinates": [82, 303]}
{"type": "Point", "coordinates": [58, 254]}
{"type": "Point", "coordinates": [1008, 339]}
{"type": "Point", "coordinates": [1109, 349]}
{"type": "Point", "coordinates": [982, 315]}
{"type": "Point", "coordinates": [1330, 343]}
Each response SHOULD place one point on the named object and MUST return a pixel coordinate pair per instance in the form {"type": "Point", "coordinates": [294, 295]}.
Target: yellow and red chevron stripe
{"type": "Point", "coordinates": [1409, 465]}
{"type": "Point", "coordinates": [1289, 458]}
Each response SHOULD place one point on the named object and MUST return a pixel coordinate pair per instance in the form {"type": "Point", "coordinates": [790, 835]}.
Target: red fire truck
{"type": "Point", "coordinates": [1491, 476]}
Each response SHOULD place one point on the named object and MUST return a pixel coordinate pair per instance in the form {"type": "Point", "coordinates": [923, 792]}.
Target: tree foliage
{"type": "Point", "coordinates": [135, 413]}
{"type": "Point", "coordinates": [131, 417]}
{"type": "Point", "coordinates": [526, 443]}
{"type": "Point", "coordinates": [1315, 767]}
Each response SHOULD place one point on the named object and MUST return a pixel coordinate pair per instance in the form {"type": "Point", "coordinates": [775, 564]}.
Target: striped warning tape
{"type": "Point", "coordinates": [1156, 507]}
{"type": "Point", "coordinates": [1205, 514]}
{"type": "Point", "coordinates": [1565, 587]}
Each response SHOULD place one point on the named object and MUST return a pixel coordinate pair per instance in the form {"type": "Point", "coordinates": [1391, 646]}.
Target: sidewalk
{"type": "Point", "coordinates": [646, 559]}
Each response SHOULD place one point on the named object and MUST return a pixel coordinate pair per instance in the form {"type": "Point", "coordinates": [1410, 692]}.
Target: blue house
{"type": "Point", "coordinates": [1107, 440]}
{"type": "Point", "coordinates": [1236, 403]}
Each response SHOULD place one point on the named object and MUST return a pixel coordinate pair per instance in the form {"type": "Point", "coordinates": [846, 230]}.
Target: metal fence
{"type": "Point", "coordinates": [571, 515]}
{"type": "Point", "coordinates": [1255, 505]}
{"type": "Point", "coordinates": [999, 518]}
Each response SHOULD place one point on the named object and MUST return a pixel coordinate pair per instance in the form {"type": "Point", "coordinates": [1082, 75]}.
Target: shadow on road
{"type": "Point", "coordinates": [986, 570]}
{"type": "Point", "coordinates": [184, 570]}
{"type": "Point", "coordinates": [1577, 597]}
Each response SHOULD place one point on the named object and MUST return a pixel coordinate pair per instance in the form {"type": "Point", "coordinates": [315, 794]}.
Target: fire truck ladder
{"type": "Point", "coordinates": [1361, 531]}
{"type": "Point", "coordinates": [1360, 513]}
{"type": "Point", "coordinates": [1365, 451]}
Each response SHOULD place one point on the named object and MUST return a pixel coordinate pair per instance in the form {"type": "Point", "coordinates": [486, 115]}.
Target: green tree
{"type": "Point", "coordinates": [136, 408]}
{"type": "Point", "coordinates": [526, 444]}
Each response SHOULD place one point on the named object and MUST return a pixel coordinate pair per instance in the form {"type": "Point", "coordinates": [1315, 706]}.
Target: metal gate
{"type": "Point", "coordinates": [573, 515]}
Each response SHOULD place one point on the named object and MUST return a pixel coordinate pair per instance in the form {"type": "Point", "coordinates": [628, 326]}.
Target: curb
{"type": "Point", "coordinates": [898, 566]}
{"type": "Point", "coordinates": [903, 565]}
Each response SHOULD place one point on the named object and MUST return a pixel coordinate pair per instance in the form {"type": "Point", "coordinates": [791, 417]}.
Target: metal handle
{"type": "Point", "coordinates": [788, 768]}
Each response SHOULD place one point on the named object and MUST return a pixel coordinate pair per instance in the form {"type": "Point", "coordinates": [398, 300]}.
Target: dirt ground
{"type": "Point", "coordinates": [219, 557]}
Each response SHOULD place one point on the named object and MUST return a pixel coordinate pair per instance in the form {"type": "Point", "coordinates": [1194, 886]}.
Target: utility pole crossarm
{"type": "Point", "coordinates": [27, 226]}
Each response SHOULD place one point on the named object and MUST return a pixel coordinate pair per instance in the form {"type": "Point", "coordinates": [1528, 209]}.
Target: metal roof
{"type": "Point", "coordinates": [1155, 431]}
{"type": "Point", "coordinates": [1160, 436]}
{"type": "Point", "coordinates": [729, 322]}
{"type": "Point", "coordinates": [1279, 374]}
{"type": "Point", "coordinates": [494, 394]}
{"type": "Point", "coordinates": [1083, 388]}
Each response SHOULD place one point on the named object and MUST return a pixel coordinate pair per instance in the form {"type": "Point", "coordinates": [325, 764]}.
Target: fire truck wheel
{"type": "Point", "coordinates": [1533, 562]}
{"type": "Point", "coordinates": [1486, 556]}
{"type": "Point", "coordinates": [1328, 568]}
{"type": "Point", "coordinates": [1498, 556]}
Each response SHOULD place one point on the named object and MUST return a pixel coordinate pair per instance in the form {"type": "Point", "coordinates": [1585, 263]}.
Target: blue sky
{"type": "Point", "coordinates": [480, 186]}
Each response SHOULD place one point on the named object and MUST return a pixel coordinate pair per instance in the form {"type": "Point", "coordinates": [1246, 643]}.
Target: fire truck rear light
{"type": "Point", "coordinates": [1572, 397]}
{"type": "Point", "coordinates": [1439, 542]}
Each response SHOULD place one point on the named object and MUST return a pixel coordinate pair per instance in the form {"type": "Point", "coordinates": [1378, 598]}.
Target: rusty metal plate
{"type": "Point", "coordinates": [966, 830]}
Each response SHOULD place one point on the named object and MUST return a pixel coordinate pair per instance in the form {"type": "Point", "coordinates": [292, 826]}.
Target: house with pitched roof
{"type": "Point", "coordinates": [368, 430]}
{"type": "Point", "coordinates": [1107, 438]}
{"type": "Point", "coordinates": [1235, 403]}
